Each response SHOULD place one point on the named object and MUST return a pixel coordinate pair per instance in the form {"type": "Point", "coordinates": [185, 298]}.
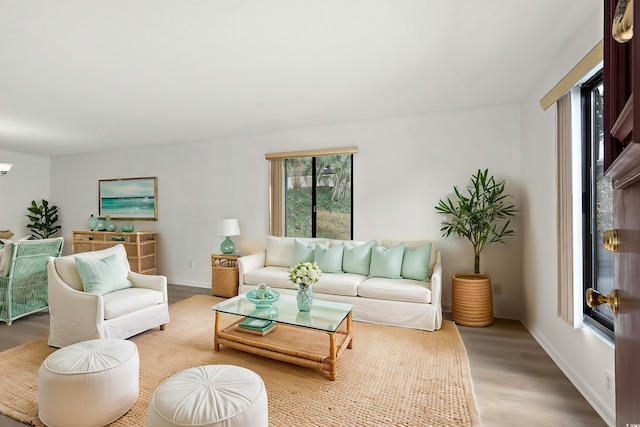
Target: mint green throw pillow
{"type": "Point", "coordinates": [387, 262]}
{"type": "Point", "coordinates": [101, 276]}
{"type": "Point", "coordinates": [329, 259]}
{"type": "Point", "coordinates": [357, 260]}
{"type": "Point", "coordinates": [415, 263]}
{"type": "Point", "coordinates": [302, 252]}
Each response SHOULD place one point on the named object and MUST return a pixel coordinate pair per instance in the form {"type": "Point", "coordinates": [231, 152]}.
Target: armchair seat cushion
{"type": "Point", "coordinates": [129, 300]}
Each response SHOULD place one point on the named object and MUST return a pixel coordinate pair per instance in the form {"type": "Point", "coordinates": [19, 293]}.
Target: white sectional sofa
{"type": "Point", "coordinates": [391, 286]}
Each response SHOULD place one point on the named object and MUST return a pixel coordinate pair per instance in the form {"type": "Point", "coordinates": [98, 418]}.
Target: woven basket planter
{"type": "Point", "coordinates": [471, 299]}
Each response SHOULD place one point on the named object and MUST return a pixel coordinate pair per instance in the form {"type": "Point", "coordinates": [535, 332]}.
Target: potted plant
{"type": "Point", "coordinates": [43, 218]}
{"type": "Point", "coordinates": [482, 215]}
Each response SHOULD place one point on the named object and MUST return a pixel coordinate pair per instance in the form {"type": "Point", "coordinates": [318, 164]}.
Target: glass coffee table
{"type": "Point", "coordinates": [298, 337]}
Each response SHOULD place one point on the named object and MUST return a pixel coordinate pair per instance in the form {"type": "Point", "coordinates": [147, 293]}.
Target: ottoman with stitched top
{"type": "Point", "coordinates": [211, 395]}
{"type": "Point", "coordinates": [88, 384]}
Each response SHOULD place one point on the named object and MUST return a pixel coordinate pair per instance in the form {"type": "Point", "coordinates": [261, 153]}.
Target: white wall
{"type": "Point", "coordinates": [28, 180]}
{"type": "Point", "coordinates": [404, 165]}
{"type": "Point", "coordinates": [578, 352]}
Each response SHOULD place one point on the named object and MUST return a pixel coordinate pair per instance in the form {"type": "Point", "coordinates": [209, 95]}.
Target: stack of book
{"type": "Point", "coordinates": [256, 326]}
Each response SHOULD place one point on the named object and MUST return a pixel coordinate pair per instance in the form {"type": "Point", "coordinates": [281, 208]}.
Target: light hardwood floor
{"type": "Point", "coordinates": [516, 383]}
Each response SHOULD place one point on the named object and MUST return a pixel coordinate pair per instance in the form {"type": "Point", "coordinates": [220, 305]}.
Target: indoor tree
{"type": "Point", "coordinates": [482, 214]}
{"type": "Point", "coordinates": [43, 219]}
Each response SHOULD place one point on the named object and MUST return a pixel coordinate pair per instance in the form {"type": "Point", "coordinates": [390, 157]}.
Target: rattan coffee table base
{"type": "Point", "coordinates": [292, 344]}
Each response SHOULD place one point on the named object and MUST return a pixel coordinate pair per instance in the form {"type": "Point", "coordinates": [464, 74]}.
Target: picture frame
{"type": "Point", "coordinates": [128, 198]}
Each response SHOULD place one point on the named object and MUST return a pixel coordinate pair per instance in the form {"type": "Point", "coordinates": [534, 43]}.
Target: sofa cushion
{"type": "Point", "coordinates": [302, 252]}
{"type": "Point", "coordinates": [129, 300]}
{"type": "Point", "coordinates": [101, 276]}
{"type": "Point", "coordinates": [415, 263]}
{"type": "Point", "coordinates": [68, 272]}
{"type": "Point", "coordinates": [329, 259]}
{"type": "Point", "coordinates": [275, 277]}
{"type": "Point", "coordinates": [279, 251]}
{"type": "Point", "coordinates": [415, 244]}
{"type": "Point", "coordinates": [386, 262]}
{"type": "Point", "coordinates": [396, 290]}
{"type": "Point", "coordinates": [357, 259]}
{"type": "Point", "coordinates": [339, 284]}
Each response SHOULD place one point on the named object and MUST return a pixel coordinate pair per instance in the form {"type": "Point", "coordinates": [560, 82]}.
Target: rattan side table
{"type": "Point", "coordinates": [224, 275]}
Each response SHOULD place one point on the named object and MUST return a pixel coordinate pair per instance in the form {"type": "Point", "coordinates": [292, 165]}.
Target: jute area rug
{"type": "Point", "coordinates": [391, 377]}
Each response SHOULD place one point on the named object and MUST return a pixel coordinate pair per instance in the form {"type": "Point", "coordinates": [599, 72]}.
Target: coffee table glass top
{"type": "Point", "coordinates": [324, 315]}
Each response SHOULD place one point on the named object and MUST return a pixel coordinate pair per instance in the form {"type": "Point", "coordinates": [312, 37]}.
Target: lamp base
{"type": "Point", "coordinates": [227, 247]}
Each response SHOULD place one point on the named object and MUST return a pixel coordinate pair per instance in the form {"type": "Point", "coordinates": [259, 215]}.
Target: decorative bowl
{"type": "Point", "coordinates": [263, 296]}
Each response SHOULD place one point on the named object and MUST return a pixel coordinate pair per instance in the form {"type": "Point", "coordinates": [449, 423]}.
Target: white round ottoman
{"type": "Point", "coordinates": [87, 384]}
{"type": "Point", "coordinates": [212, 395]}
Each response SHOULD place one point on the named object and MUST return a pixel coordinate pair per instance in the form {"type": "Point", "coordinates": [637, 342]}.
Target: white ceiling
{"type": "Point", "coordinates": [80, 76]}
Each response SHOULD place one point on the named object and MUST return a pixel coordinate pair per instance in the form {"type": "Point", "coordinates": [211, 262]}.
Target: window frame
{"type": "Point", "coordinates": [591, 317]}
{"type": "Point", "coordinates": [277, 187]}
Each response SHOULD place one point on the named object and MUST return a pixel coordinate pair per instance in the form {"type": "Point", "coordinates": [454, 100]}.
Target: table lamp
{"type": "Point", "coordinates": [227, 228]}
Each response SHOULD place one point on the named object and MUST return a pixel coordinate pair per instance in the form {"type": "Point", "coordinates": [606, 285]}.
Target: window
{"type": "Point", "coordinates": [311, 193]}
{"type": "Point", "coordinates": [318, 197]}
{"type": "Point", "coordinates": [597, 203]}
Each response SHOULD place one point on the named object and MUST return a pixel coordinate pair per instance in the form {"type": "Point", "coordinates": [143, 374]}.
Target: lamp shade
{"type": "Point", "coordinates": [228, 227]}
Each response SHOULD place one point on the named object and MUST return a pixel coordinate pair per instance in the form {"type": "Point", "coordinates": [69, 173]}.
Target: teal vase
{"type": "Point", "coordinates": [93, 222]}
{"type": "Point", "coordinates": [111, 226]}
{"type": "Point", "coordinates": [305, 297]}
{"type": "Point", "coordinates": [102, 225]}
{"type": "Point", "coordinates": [127, 227]}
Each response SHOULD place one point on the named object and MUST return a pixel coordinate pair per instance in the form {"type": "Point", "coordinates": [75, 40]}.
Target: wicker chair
{"type": "Point", "coordinates": [24, 290]}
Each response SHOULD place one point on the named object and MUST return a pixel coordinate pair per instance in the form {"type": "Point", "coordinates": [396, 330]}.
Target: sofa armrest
{"type": "Point", "coordinates": [150, 281]}
{"type": "Point", "coordinates": [74, 315]}
{"type": "Point", "coordinates": [250, 262]}
{"type": "Point", "coordinates": [436, 282]}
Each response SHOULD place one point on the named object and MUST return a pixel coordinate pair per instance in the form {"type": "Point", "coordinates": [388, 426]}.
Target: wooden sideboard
{"type": "Point", "coordinates": [141, 246]}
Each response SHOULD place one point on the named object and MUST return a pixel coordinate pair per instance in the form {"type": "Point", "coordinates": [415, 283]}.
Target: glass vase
{"type": "Point", "coordinates": [92, 223]}
{"type": "Point", "coordinates": [305, 297]}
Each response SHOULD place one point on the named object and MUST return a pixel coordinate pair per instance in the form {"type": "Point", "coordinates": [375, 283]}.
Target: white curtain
{"type": "Point", "coordinates": [276, 197]}
{"type": "Point", "coordinates": [565, 211]}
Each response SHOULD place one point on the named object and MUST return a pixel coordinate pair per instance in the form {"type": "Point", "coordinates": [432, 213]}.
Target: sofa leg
{"type": "Point", "coordinates": [163, 326]}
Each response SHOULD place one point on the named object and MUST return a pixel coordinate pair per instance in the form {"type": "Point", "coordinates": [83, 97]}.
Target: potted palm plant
{"type": "Point", "coordinates": [482, 215]}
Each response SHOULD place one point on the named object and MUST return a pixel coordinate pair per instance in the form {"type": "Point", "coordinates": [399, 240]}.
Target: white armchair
{"type": "Point", "coordinates": [79, 316]}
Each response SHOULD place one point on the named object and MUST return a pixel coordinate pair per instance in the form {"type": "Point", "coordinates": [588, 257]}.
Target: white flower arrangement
{"type": "Point", "coordinates": [305, 273]}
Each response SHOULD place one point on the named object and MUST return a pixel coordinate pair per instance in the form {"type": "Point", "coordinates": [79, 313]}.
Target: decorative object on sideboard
{"type": "Point", "coordinates": [110, 225]}
{"type": "Point", "coordinates": [227, 228]}
{"type": "Point", "coordinates": [42, 219]}
{"type": "Point", "coordinates": [92, 223]}
{"type": "Point", "coordinates": [5, 168]}
{"type": "Point", "coordinates": [102, 224]}
{"type": "Point", "coordinates": [127, 227]}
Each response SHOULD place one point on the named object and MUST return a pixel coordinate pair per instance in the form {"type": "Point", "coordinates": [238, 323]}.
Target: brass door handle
{"type": "Point", "coordinates": [595, 298]}
{"type": "Point", "coordinates": [610, 240]}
